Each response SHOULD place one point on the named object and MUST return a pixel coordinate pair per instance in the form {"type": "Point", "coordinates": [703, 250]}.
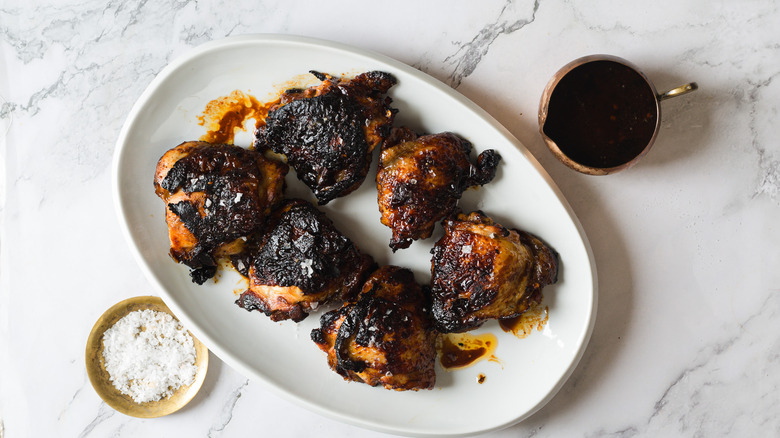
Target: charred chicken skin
{"type": "Point", "coordinates": [215, 195]}
{"type": "Point", "coordinates": [482, 270]}
{"type": "Point", "coordinates": [302, 261]}
{"type": "Point", "coordinates": [327, 133]}
{"type": "Point", "coordinates": [421, 178]}
{"type": "Point", "coordinates": [385, 336]}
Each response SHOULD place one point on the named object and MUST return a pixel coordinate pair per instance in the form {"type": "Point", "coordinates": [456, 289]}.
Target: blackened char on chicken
{"type": "Point", "coordinates": [384, 336]}
{"type": "Point", "coordinates": [421, 178]}
{"type": "Point", "coordinates": [215, 196]}
{"type": "Point", "coordinates": [482, 270]}
{"type": "Point", "coordinates": [328, 132]}
{"type": "Point", "coordinates": [302, 262]}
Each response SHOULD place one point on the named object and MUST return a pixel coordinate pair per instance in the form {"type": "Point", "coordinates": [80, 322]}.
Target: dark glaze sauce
{"type": "Point", "coordinates": [421, 178]}
{"type": "Point", "coordinates": [602, 114]}
{"type": "Point", "coordinates": [229, 177]}
{"type": "Point", "coordinates": [324, 136]}
{"type": "Point", "coordinates": [459, 350]}
{"type": "Point", "coordinates": [300, 232]}
{"type": "Point", "coordinates": [522, 326]}
{"type": "Point", "coordinates": [481, 378]}
{"type": "Point", "coordinates": [224, 115]}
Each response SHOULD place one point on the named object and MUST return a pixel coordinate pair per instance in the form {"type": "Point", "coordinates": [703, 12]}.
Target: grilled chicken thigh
{"type": "Point", "coordinates": [215, 195]}
{"type": "Point", "coordinates": [385, 336]}
{"type": "Point", "coordinates": [302, 261]}
{"type": "Point", "coordinates": [482, 270]}
{"type": "Point", "coordinates": [421, 178]}
{"type": "Point", "coordinates": [328, 132]}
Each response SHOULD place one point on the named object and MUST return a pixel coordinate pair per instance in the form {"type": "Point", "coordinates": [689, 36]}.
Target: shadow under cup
{"type": "Point", "coordinates": [600, 114]}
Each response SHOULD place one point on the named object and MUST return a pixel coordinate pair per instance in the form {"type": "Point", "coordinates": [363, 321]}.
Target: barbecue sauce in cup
{"type": "Point", "coordinates": [600, 114]}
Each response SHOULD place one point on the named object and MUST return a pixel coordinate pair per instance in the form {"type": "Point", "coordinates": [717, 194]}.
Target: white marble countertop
{"type": "Point", "coordinates": [687, 338]}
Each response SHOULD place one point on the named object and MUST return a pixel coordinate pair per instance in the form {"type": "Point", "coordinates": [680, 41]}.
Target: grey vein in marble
{"type": "Point", "coordinates": [685, 405]}
{"type": "Point", "coordinates": [227, 411]}
{"type": "Point", "coordinates": [32, 106]}
{"type": "Point", "coordinates": [469, 55]}
{"type": "Point", "coordinates": [70, 402]}
{"type": "Point", "coordinates": [104, 413]}
{"type": "Point", "coordinates": [769, 167]}
{"type": "Point", "coordinates": [624, 433]}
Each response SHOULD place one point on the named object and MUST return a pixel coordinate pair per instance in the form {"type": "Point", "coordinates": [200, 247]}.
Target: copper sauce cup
{"type": "Point", "coordinates": [655, 105]}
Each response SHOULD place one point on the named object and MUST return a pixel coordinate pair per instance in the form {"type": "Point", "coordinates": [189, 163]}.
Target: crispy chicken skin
{"type": "Point", "coordinates": [302, 261]}
{"type": "Point", "coordinates": [482, 270]}
{"type": "Point", "coordinates": [385, 336]}
{"type": "Point", "coordinates": [215, 195]}
{"type": "Point", "coordinates": [328, 132]}
{"type": "Point", "coordinates": [421, 178]}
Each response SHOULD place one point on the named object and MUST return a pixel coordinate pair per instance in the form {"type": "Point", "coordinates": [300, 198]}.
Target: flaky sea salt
{"type": "Point", "coordinates": [307, 269]}
{"type": "Point", "coordinates": [149, 355]}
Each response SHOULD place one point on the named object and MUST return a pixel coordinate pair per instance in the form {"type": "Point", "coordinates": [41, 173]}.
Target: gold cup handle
{"type": "Point", "coordinates": [679, 91]}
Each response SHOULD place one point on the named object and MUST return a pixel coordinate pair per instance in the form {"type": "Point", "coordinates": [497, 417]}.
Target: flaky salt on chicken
{"type": "Point", "coordinates": [421, 178]}
{"type": "Point", "coordinates": [383, 337]}
{"type": "Point", "coordinates": [215, 196]}
{"type": "Point", "coordinates": [482, 270]}
{"type": "Point", "coordinates": [327, 132]}
{"type": "Point", "coordinates": [302, 262]}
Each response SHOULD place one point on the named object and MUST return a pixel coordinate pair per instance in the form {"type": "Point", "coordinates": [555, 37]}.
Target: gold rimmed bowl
{"type": "Point", "coordinates": [101, 380]}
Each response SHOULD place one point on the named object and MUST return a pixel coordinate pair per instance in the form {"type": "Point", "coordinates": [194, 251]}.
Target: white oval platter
{"type": "Point", "coordinates": [281, 356]}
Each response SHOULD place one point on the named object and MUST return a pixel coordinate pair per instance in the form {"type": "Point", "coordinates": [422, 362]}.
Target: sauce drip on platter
{"type": "Point", "coordinates": [460, 350]}
{"type": "Point", "coordinates": [224, 115]}
{"type": "Point", "coordinates": [522, 326]}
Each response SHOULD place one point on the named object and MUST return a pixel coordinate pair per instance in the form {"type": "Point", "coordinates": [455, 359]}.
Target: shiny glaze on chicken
{"type": "Point", "coordinates": [385, 336]}
{"type": "Point", "coordinates": [302, 261]}
{"type": "Point", "coordinates": [482, 270]}
{"type": "Point", "coordinates": [328, 132]}
{"type": "Point", "coordinates": [421, 178]}
{"type": "Point", "coordinates": [215, 195]}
